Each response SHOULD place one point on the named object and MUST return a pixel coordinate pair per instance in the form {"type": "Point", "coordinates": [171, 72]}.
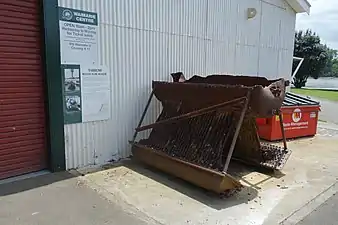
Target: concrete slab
{"type": "Point", "coordinates": [327, 125]}
{"type": "Point", "coordinates": [311, 207]}
{"type": "Point", "coordinates": [327, 129]}
{"type": "Point", "coordinates": [59, 199]}
{"type": "Point", "coordinates": [326, 214]}
{"type": "Point", "coordinates": [328, 111]}
{"type": "Point", "coordinates": [267, 199]}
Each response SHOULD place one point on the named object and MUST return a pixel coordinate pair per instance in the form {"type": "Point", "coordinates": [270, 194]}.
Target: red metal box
{"type": "Point", "coordinates": [300, 118]}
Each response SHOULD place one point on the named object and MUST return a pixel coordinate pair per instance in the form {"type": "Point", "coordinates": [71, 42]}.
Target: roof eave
{"type": "Point", "coordinates": [300, 6]}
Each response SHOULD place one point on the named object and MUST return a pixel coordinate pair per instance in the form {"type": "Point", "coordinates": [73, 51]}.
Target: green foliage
{"type": "Point", "coordinates": [334, 71]}
{"type": "Point", "coordinates": [309, 47]}
{"type": "Point", "coordinates": [331, 68]}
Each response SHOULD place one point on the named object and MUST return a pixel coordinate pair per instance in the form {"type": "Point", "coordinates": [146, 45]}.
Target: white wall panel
{"type": "Point", "coordinates": [246, 60]}
{"type": "Point", "coordinates": [276, 40]}
{"type": "Point", "coordinates": [193, 18]}
{"type": "Point", "coordinates": [186, 54]}
{"type": "Point", "coordinates": [248, 30]}
{"type": "Point", "coordinates": [271, 26]}
{"type": "Point", "coordinates": [285, 63]}
{"type": "Point", "coordinates": [220, 20]}
{"type": "Point", "coordinates": [145, 40]}
{"type": "Point", "coordinates": [220, 57]}
{"type": "Point", "coordinates": [268, 56]}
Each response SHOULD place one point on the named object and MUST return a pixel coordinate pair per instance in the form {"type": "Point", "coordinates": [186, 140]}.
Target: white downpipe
{"type": "Point", "coordinates": [301, 60]}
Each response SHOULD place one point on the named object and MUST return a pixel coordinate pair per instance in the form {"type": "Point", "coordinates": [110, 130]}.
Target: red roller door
{"type": "Point", "coordinates": [22, 112]}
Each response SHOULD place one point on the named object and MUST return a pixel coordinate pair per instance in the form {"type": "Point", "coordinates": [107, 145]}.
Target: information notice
{"type": "Point", "coordinates": [78, 36]}
{"type": "Point", "coordinates": [87, 89]}
{"type": "Point", "coordinates": [96, 92]}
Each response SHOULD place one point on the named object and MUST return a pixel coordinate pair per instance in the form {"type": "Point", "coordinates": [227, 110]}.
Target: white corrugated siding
{"type": "Point", "coordinates": [145, 40]}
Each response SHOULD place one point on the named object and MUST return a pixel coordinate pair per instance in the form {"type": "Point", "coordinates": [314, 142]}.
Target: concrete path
{"type": "Point", "coordinates": [325, 214]}
{"type": "Point", "coordinates": [129, 194]}
{"type": "Point", "coordinates": [268, 199]}
{"type": "Point", "coordinates": [58, 198]}
{"type": "Point", "coordinates": [328, 110]}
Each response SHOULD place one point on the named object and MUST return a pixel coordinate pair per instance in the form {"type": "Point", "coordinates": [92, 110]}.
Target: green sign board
{"type": "Point", "coordinates": [86, 82]}
{"type": "Point", "coordinates": [77, 16]}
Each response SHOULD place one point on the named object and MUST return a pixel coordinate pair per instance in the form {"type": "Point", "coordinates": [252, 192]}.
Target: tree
{"type": "Point", "coordinates": [309, 47]}
{"type": "Point", "coordinates": [334, 70]}
{"type": "Point", "coordinates": [328, 70]}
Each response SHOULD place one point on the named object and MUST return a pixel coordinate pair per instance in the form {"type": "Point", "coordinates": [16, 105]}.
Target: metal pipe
{"type": "Point", "coordinates": [191, 114]}
{"type": "Point", "coordinates": [298, 66]}
{"type": "Point", "coordinates": [298, 58]}
{"type": "Point", "coordinates": [238, 128]}
{"type": "Point", "coordinates": [143, 115]}
{"type": "Point", "coordinates": [282, 129]}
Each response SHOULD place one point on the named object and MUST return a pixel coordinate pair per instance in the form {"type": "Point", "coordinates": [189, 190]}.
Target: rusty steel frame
{"type": "Point", "coordinates": [143, 115]}
{"type": "Point", "coordinates": [199, 159]}
{"type": "Point", "coordinates": [208, 179]}
{"type": "Point", "coordinates": [192, 114]}
{"type": "Point", "coordinates": [282, 128]}
{"type": "Point", "coordinates": [238, 128]}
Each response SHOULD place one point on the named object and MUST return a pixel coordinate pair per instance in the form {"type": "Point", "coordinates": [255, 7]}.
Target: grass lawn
{"type": "Point", "coordinates": [323, 94]}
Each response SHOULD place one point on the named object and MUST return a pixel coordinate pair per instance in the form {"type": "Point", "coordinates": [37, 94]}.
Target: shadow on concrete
{"type": "Point", "coordinates": [33, 182]}
{"type": "Point", "coordinates": [248, 193]}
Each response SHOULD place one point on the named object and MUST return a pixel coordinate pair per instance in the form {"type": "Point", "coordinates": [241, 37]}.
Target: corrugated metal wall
{"type": "Point", "coordinates": [145, 40]}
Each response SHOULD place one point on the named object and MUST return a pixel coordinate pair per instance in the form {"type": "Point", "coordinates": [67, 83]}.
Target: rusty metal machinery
{"type": "Point", "coordinates": [207, 122]}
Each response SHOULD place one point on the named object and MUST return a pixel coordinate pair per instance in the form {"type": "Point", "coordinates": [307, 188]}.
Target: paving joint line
{"type": "Point", "coordinates": [286, 222]}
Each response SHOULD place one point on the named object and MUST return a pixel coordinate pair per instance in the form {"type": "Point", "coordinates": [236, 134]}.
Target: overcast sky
{"type": "Point", "coordinates": [323, 20]}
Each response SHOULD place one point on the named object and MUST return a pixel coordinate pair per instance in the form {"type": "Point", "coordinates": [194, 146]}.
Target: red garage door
{"type": "Point", "coordinates": [22, 113]}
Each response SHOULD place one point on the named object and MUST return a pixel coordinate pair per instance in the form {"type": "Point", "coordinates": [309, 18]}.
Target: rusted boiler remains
{"type": "Point", "coordinates": [208, 121]}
